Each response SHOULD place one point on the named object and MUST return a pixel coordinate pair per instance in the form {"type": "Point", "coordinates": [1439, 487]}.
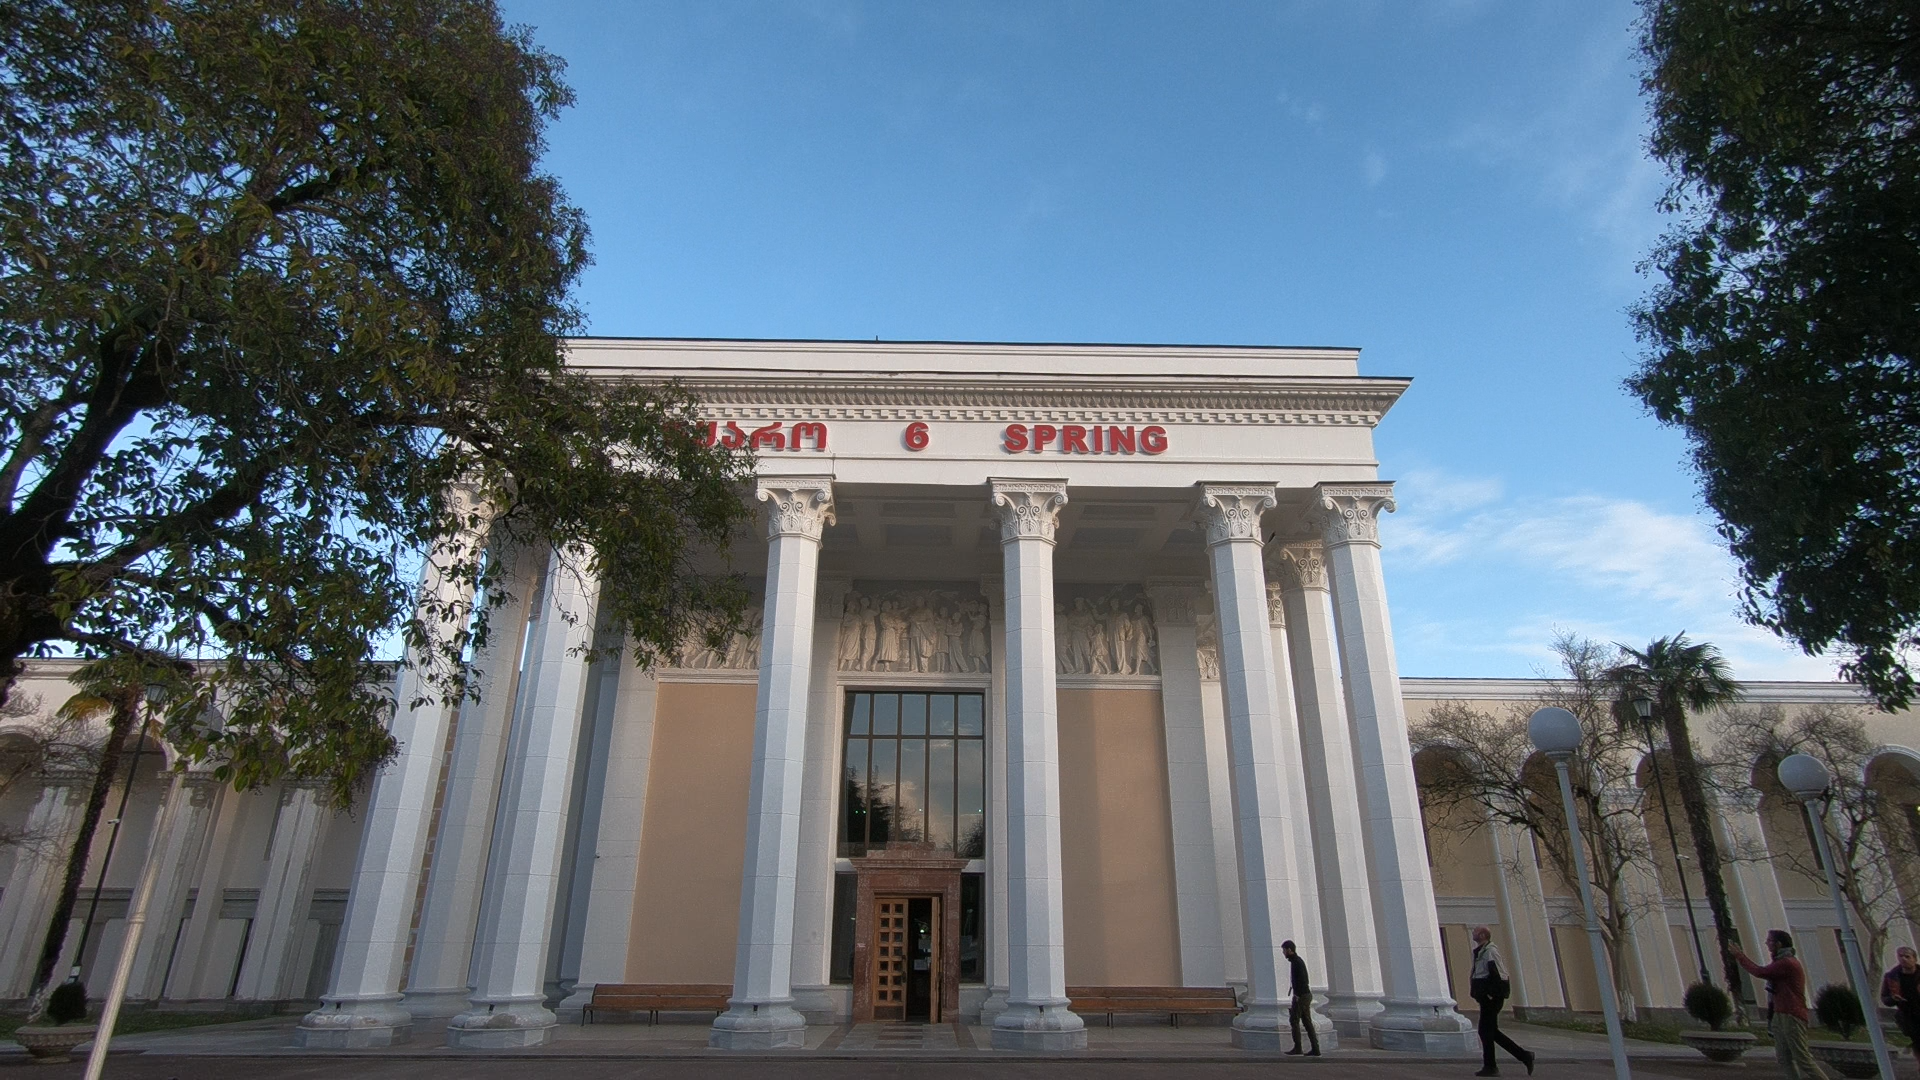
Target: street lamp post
{"type": "Point", "coordinates": [1643, 706]}
{"type": "Point", "coordinates": [1555, 732]}
{"type": "Point", "coordinates": [1807, 779]}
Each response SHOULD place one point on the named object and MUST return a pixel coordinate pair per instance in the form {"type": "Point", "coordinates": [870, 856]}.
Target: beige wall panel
{"type": "Point", "coordinates": [693, 840]}
{"type": "Point", "coordinates": [1116, 832]}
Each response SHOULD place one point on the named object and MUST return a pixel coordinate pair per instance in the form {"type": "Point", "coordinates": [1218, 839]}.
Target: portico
{"type": "Point", "coordinates": [1080, 655]}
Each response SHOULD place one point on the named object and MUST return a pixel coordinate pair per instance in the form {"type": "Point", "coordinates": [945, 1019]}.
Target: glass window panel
{"type": "Point", "coordinates": [970, 719]}
{"type": "Point", "coordinates": [862, 707]}
{"type": "Point", "coordinates": [940, 794]}
{"type": "Point", "coordinates": [881, 809]}
{"type": "Point", "coordinates": [940, 722]}
{"type": "Point", "coordinates": [970, 802]}
{"type": "Point", "coordinates": [853, 804]}
{"type": "Point", "coordinates": [886, 714]}
{"type": "Point", "coordinates": [913, 790]}
{"type": "Point", "coordinates": [844, 896]}
{"type": "Point", "coordinates": [913, 714]}
{"type": "Point", "coordinates": [970, 937]}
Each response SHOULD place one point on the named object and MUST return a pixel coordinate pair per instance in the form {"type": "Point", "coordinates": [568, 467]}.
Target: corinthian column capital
{"type": "Point", "coordinates": [1300, 566]}
{"type": "Point", "coordinates": [796, 505]}
{"type": "Point", "coordinates": [1232, 511]}
{"type": "Point", "coordinates": [1029, 509]}
{"type": "Point", "coordinates": [1349, 513]}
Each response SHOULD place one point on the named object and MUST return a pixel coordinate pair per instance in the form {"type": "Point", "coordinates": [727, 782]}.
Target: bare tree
{"type": "Point", "coordinates": [1872, 840]}
{"type": "Point", "coordinates": [32, 745]}
{"type": "Point", "coordinates": [1497, 772]}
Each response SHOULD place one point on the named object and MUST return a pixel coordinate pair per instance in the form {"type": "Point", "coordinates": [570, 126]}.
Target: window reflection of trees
{"type": "Point", "coordinates": [915, 772]}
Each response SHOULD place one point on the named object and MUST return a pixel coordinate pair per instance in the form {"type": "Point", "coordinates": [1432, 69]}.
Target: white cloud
{"type": "Point", "coordinates": [1484, 581]}
{"type": "Point", "coordinates": [1373, 167]}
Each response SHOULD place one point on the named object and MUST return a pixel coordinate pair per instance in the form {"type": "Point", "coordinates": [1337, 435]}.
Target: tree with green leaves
{"type": "Point", "coordinates": [275, 277]}
{"type": "Point", "coordinates": [283, 293]}
{"type": "Point", "coordinates": [1783, 339]}
{"type": "Point", "coordinates": [1682, 677]}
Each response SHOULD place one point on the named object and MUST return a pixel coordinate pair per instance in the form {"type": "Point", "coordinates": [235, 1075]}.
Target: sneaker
{"type": "Point", "coordinates": [1295, 1052]}
{"type": "Point", "coordinates": [1315, 1052]}
{"type": "Point", "coordinates": [1530, 1058]}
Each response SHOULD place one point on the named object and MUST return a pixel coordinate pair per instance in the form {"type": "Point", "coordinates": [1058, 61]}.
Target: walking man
{"type": "Point", "coordinates": [1302, 1010]}
{"type": "Point", "coordinates": [1786, 1005]}
{"type": "Point", "coordinates": [1490, 987]}
{"type": "Point", "coordinates": [1901, 990]}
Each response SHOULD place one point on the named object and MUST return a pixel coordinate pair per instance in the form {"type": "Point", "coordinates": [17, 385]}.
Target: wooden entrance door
{"type": "Point", "coordinates": [906, 958]}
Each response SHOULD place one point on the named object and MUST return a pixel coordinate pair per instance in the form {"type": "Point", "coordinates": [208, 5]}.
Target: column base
{"type": "Point", "coordinates": [1038, 1027]}
{"type": "Point", "coordinates": [821, 1004]}
{"type": "Point", "coordinates": [427, 1002]}
{"type": "Point", "coordinates": [1421, 1028]}
{"type": "Point", "coordinates": [1351, 1014]}
{"type": "Point", "coordinates": [571, 1008]}
{"type": "Point", "coordinates": [993, 1005]}
{"type": "Point", "coordinates": [759, 1027]}
{"type": "Point", "coordinates": [364, 1024]}
{"type": "Point", "coordinates": [502, 1026]}
{"type": "Point", "coordinates": [1262, 1025]}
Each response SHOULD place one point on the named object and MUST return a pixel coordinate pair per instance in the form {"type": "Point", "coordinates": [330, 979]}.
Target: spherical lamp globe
{"type": "Point", "coordinates": [1804, 776]}
{"type": "Point", "coordinates": [1553, 731]}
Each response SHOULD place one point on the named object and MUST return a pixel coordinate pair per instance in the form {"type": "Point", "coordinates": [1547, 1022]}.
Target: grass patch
{"type": "Point", "coordinates": [145, 1020]}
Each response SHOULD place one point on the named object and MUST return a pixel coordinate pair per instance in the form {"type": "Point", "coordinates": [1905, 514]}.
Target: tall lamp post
{"type": "Point", "coordinates": [1555, 732]}
{"type": "Point", "coordinates": [1643, 706]}
{"type": "Point", "coordinates": [1807, 779]}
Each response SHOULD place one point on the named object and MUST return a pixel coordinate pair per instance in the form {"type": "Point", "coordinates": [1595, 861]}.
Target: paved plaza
{"type": "Point", "coordinates": [261, 1050]}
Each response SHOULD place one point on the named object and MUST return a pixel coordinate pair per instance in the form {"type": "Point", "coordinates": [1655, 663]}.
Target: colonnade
{"type": "Point", "coordinates": [1321, 812]}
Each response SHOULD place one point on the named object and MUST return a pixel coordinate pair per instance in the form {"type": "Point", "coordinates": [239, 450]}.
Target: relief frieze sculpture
{"type": "Point", "coordinates": [1105, 632]}
{"type": "Point", "coordinates": [917, 630]}
{"type": "Point", "coordinates": [739, 652]}
{"type": "Point", "coordinates": [1206, 634]}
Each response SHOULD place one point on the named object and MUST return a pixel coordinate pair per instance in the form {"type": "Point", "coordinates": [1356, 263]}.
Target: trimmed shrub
{"type": "Point", "coordinates": [68, 1002]}
{"type": "Point", "coordinates": [1838, 1009]}
{"type": "Point", "coordinates": [1708, 1004]}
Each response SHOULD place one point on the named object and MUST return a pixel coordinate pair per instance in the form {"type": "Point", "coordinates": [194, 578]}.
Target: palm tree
{"type": "Point", "coordinates": [1681, 676]}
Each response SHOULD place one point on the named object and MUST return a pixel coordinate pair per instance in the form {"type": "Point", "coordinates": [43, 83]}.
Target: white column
{"type": "Point", "coordinates": [1418, 1010]}
{"type": "Point", "coordinates": [1759, 905]}
{"type": "Point", "coordinates": [508, 1007]}
{"type": "Point", "coordinates": [1256, 754]}
{"type": "Point", "coordinates": [1220, 804]}
{"type": "Point", "coordinates": [34, 885]}
{"type": "Point", "coordinates": [1196, 896]}
{"type": "Point", "coordinates": [179, 858]}
{"type": "Point", "coordinates": [362, 1007]}
{"type": "Point", "coordinates": [1527, 940]}
{"type": "Point", "coordinates": [820, 814]}
{"type": "Point", "coordinates": [993, 588]}
{"type": "Point", "coordinates": [437, 984]}
{"type": "Point", "coordinates": [1036, 1016]}
{"type": "Point", "coordinates": [606, 939]}
{"type": "Point", "coordinates": [1308, 934]}
{"type": "Point", "coordinates": [1338, 852]}
{"type": "Point", "coordinates": [280, 914]}
{"type": "Point", "coordinates": [760, 1014]}
{"type": "Point", "coordinates": [195, 974]}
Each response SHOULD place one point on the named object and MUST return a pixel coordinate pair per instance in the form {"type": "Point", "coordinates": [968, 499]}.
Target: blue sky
{"type": "Point", "coordinates": [1457, 188]}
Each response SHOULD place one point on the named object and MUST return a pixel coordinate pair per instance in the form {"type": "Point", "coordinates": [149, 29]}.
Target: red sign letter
{"type": "Point", "coordinates": [1015, 438]}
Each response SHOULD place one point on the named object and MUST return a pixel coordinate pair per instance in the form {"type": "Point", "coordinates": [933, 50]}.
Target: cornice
{"type": "Point", "coordinates": [1308, 402]}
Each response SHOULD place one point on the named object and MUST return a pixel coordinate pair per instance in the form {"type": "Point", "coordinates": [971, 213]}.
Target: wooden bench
{"type": "Point", "coordinates": [656, 998]}
{"type": "Point", "coordinates": [1175, 1001]}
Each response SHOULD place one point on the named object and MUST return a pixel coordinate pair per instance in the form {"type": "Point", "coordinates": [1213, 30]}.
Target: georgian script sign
{"type": "Point", "coordinates": [765, 437]}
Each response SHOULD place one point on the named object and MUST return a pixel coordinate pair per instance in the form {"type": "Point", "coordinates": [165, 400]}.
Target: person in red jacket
{"type": "Point", "coordinates": [1786, 1005]}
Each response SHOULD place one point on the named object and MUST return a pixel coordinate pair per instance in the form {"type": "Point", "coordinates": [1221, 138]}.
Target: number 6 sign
{"type": "Point", "coordinates": [916, 436]}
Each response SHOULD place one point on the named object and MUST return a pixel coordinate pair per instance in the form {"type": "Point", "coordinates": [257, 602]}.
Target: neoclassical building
{"type": "Point", "coordinates": [1071, 666]}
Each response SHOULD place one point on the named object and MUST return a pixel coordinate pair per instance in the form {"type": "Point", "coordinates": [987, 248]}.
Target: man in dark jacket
{"type": "Point", "coordinates": [1302, 1010]}
{"type": "Point", "coordinates": [1489, 986]}
{"type": "Point", "coordinates": [1900, 990]}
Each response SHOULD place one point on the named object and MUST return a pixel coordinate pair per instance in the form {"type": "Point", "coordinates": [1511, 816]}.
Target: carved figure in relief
{"type": "Point", "coordinates": [1129, 638]}
{"type": "Point", "coordinates": [1207, 644]}
{"type": "Point", "coordinates": [1108, 636]}
{"type": "Point", "coordinates": [739, 652]}
{"type": "Point", "coordinates": [890, 650]}
{"type": "Point", "coordinates": [923, 630]}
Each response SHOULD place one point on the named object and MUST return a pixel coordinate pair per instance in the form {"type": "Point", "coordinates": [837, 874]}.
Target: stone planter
{"type": "Point", "coordinates": [1720, 1045]}
{"type": "Point", "coordinates": [1853, 1060]}
{"type": "Point", "coordinates": [53, 1043]}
